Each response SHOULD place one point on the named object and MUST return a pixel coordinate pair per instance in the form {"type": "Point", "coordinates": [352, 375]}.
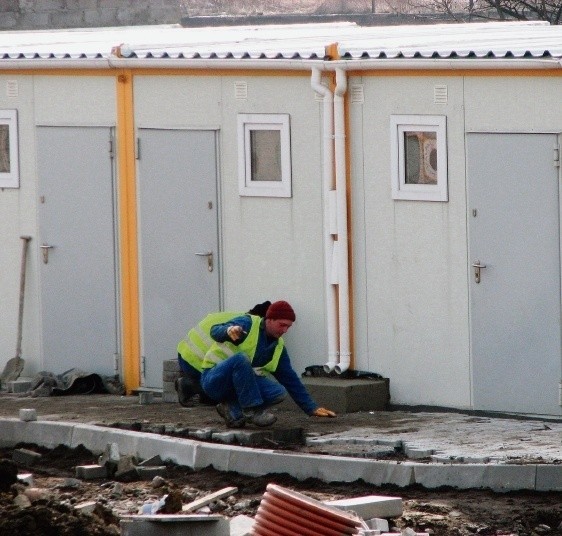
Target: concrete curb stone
{"type": "Point", "coordinates": [256, 462]}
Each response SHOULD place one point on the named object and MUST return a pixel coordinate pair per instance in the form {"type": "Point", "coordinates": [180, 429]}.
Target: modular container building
{"type": "Point", "coordinates": [399, 186]}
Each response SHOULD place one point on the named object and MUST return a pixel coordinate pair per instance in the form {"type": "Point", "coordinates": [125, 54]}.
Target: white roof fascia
{"type": "Point", "coordinates": [276, 65]}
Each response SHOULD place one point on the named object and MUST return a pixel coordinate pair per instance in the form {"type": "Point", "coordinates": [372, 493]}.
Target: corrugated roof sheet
{"type": "Point", "coordinates": [296, 41]}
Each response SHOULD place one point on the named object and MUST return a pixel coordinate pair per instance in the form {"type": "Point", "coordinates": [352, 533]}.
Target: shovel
{"type": "Point", "coordinates": [14, 366]}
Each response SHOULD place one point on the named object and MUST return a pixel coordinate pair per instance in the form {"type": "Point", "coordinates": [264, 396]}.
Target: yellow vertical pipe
{"type": "Point", "coordinates": [128, 232]}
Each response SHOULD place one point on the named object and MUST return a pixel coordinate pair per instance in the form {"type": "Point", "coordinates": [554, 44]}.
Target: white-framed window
{"type": "Point", "coordinates": [9, 166]}
{"type": "Point", "coordinates": [264, 155]}
{"type": "Point", "coordinates": [419, 157]}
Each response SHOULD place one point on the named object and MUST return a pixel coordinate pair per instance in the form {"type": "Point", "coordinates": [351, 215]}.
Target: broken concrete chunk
{"type": "Point", "coordinates": [37, 494]}
{"type": "Point", "coordinates": [150, 462]}
{"type": "Point", "coordinates": [25, 456]}
{"type": "Point", "coordinates": [26, 478]}
{"type": "Point", "coordinates": [21, 501]}
{"type": "Point", "coordinates": [91, 472]}
{"type": "Point", "coordinates": [150, 473]}
{"type": "Point", "coordinates": [110, 455]}
{"type": "Point", "coordinates": [126, 470]}
{"type": "Point", "coordinates": [86, 507]}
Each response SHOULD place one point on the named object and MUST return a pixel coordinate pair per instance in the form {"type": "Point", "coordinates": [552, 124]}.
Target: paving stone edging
{"type": "Point", "coordinates": [259, 462]}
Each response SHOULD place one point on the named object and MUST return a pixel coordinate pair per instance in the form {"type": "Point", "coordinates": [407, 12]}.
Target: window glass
{"type": "Point", "coordinates": [4, 149]}
{"type": "Point", "coordinates": [266, 155]}
{"type": "Point", "coordinates": [420, 150]}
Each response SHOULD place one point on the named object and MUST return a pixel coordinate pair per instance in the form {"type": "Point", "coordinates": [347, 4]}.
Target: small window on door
{"type": "Point", "coordinates": [419, 157]}
{"type": "Point", "coordinates": [9, 167]}
{"type": "Point", "coordinates": [264, 155]}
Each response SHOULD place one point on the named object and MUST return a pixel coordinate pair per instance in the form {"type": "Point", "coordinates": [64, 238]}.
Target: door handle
{"type": "Point", "coordinates": [209, 255]}
{"type": "Point", "coordinates": [46, 248]}
{"type": "Point", "coordinates": [477, 267]}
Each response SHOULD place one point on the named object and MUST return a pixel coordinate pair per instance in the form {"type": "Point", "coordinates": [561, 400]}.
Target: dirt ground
{"type": "Point", "coordinates": [51, 512]}
{"type": "Point", "coordinates": [441, 513]}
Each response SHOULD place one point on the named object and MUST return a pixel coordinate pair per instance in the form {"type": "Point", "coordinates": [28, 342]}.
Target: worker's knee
{"type": "Point", "coordinates": [240, 360]}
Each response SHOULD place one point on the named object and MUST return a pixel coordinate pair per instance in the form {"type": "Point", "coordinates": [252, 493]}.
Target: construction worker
{"type": "Point", "coordinates": [247, 369]}
{"type": "Point", "coordinates": [192, 350]}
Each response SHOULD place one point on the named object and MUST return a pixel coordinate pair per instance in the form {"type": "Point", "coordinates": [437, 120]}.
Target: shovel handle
{"type": "Point", "coordinates": [26, 240]}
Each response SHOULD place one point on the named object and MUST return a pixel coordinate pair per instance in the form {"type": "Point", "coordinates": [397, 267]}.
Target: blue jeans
{"type": "Point", "coordinates": [235, 382]}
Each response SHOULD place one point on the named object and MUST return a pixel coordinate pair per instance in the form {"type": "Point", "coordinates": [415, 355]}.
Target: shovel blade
{"type": "Point", "coordinates": [12, 370]}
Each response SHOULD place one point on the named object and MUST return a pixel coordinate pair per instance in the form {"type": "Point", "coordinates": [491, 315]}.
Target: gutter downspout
{"type": "Point", "coordinates": [342, 249]}
{"type": "Point", "coordinates": [327, 194]}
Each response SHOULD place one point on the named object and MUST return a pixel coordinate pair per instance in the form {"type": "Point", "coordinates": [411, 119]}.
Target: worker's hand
{"type": "Point", "coordinates": [323, 412]}
{"type": "Point", "coordinates": [235, 332]}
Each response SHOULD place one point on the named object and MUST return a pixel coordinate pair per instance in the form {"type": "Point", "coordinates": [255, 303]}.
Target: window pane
{"type": "Point", "coordinates": [420, 149]}
{"type": "Point", "coordinates": [266, 155]}
{"type": "Point", "coordinates": [4, 149]}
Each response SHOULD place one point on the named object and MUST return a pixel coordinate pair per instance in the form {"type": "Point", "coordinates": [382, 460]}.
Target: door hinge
{"type": "Point", "coordinates": [111, 148]}
{"type": "Point", "coordinates": [143, 366]}
{"type": "Point", "coordinates": [138, 151]}
{"type": "Point", "coordinates": [116, 361]}
{"type": "Point", "coordinates": [557, 157]}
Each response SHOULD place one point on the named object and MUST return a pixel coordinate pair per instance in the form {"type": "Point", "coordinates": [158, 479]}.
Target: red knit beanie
{"type": "Point", "coordinates": [280, 310]}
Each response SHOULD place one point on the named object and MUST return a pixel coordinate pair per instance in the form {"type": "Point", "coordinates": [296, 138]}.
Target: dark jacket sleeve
{"type": "Point", "coordinates": [288, 378]}
{"type": "Point", "coordinates": [219, 331]}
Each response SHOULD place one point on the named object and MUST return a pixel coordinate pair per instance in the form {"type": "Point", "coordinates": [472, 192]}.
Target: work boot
{"type": "Point", "coordinates": [186, 391]}
{"type": "Point", "coordinates": [260, 417]}
{"type": "Point", "coordinates": [231, 419]}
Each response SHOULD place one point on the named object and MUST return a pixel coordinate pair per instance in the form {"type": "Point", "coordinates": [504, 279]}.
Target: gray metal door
{"type": "Point", "coordinates": [178, 240]}
{"type": "Point", "coordinates": [514, 232]}
{"type": "Point", "coordinates": [77, 249]}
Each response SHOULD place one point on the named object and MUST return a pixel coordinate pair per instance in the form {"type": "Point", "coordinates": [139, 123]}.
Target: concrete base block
{"type": "Point", "coordinates": [171, 365]}
{"type": "Point", "coordinates": [170, 398]}
{"type": "Point", "coordinates": [370, 506]}
{"type": "Point", "coordinates": [146, 398]}
{"type": "Point", "coordinates": [348, 396]}
{"type": "Point", "coordinates": [175, 525]}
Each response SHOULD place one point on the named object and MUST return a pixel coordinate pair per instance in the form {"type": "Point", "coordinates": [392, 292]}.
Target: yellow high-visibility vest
{"type": "Point", "coordinates": [198, 340]}
{"type": "Point", "coordinates": [220, 351]}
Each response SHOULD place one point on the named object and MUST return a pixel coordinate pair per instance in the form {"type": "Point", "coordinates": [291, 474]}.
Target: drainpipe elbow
{"type": "Point", "coordinates": [344, 363]}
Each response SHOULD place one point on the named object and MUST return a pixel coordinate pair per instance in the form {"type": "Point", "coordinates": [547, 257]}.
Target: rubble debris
{"type": "Point", "coordinates": [25, 457]}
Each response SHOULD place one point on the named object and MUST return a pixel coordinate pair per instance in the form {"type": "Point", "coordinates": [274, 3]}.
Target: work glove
{"type": "Point", "coordinates": [323, 412]}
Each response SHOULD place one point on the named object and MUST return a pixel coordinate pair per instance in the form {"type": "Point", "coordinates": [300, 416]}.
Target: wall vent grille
{"type": "Point", "coordinates": [12, 88]}
{"type": "Point", "coordinates": [240, 90]}
{"type": "Point", "coordinates": [440, 95]}
{"type": "Point", "coordinates": [357, 94]}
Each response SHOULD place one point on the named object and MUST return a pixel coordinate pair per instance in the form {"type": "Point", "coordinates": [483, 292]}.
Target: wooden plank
{"type": "Point", "coordinates": [207, 499]}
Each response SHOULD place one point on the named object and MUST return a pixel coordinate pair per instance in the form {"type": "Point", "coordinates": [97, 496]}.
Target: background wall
{"type": "Point", "coordinates": [36, 14]}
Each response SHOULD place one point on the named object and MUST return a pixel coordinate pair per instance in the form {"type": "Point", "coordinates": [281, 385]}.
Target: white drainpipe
{"type": "Point", "coordinates": [327, 194]}
{"type": "Point", "coordinates": [342, 243]}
